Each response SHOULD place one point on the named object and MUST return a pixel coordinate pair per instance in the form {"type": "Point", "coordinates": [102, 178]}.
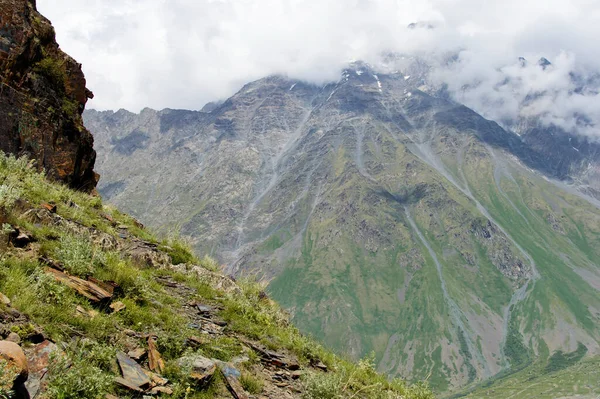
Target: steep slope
{"type": "Point", "coordinates": [406, 224]}
{"type": "Point", "coordinates": [42, 96]}
{"type": "Point", "coordinates": [100, 306]}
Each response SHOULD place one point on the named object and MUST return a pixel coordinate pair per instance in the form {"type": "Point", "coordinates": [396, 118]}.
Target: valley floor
{"type": "Point", "coordinates": [579, 381]}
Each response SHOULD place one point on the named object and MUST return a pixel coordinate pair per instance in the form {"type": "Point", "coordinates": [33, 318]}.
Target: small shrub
{"type": "Point", "coordinates": [7, 376]}
{"type": "Point", "coordinates": [179, 251]}
{"type": "Point", "coordinates": [76, 254]}
{"type": "Point", "coordinates": [323, 386]}
{"type": "Point", "coordinates": [53, 70]}
{"type": "Point", "coordinates": [83, 374]}
{"type": "Point", "coordinates": [251, 384]}
{"type": "Point", "coordinates": [8, 196]}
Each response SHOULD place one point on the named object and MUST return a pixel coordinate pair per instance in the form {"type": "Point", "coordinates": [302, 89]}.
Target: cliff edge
{"type": "Point", "coordinates": [42, 97]}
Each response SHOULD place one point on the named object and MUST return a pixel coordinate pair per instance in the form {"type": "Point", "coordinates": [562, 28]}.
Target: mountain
{"type": "Point", "coordinates": [386, 218]}
{"type": "Point", "coordinates": [92, 304]}
{"type": "Point", "coordinates": [42, 96]}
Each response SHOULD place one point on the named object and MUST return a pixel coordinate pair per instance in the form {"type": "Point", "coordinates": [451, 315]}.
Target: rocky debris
{"type": "Point", "coordinates": [42, 97]}
{"type": "Point", "coordinates": [16, 363]}
{"type": "Point", "coordinates": [273, 358]}
{"type": "Point", "coordinates": [155, 361]}
{"type": "Point", "coordinates": [88, 289]}
{"type": "Point", "coordinates": [39, 358]}
{"type": "Point", "coordinates": [134, 377]}
{"type": "Point", "coordinates": [232, 376]}
{"type": "Point", "coordinates": [216, 280]}
{"type": "Point", "coordinates": [484, 229]}
{"type": "Point", "coordinates": [201, 369]}
{"type": "Point", "coordinates": [156, 379]}
{"type": "Point", "coordinates": [45, 217]}
{"type": "Point", "coordinates": [146, 253]}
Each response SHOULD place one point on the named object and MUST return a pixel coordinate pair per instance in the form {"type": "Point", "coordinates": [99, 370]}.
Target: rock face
{"type": "Point", "coordinates": [42, 96]}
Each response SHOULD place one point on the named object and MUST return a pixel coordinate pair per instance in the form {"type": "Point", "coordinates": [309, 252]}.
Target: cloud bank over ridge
{"type": "Point", "coordinates": [184, 53]}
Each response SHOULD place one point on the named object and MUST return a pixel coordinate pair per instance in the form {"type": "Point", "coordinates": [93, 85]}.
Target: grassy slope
{"type": "Point", "coordinates": [340, 285]}
{"type": "Point", "coordinates": [560, 233]}
{"type": "Point", "coordinates": [150, 307]}
{"type": "Point", "coordinates": [355, 289]}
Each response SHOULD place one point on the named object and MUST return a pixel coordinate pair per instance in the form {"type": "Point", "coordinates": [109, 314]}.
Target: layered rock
{"type": "Point", "coordinates": [42, 96]}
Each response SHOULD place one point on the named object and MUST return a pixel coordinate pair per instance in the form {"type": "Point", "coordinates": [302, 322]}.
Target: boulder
{"type": "Point", "coordinates": [16, 362]}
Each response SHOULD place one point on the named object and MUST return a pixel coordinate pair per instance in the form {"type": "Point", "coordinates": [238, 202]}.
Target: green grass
{"type": "Point", "coordinates": [90, 343]}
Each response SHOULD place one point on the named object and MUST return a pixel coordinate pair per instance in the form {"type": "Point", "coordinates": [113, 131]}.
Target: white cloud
{"type": "Point", "coordinates": [184, 53]}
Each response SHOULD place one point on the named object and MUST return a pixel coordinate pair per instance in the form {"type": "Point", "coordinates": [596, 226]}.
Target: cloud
{"type": "Point", "coordinates": [184, 53]}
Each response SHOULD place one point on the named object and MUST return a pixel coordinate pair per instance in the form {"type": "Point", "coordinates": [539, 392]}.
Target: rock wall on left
{"type": "Point", "coordinates": [42, 97]}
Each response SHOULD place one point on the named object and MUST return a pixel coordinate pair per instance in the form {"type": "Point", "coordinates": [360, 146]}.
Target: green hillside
{"type": "Point", "coordinates": [52, 237]}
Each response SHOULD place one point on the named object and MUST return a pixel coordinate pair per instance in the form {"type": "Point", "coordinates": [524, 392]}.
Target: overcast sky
{"type": "Point", "coordinates": [184, 53]}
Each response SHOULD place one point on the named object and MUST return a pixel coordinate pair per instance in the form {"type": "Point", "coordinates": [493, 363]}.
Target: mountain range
{"type": "Point", "coordinates": [387, 218]}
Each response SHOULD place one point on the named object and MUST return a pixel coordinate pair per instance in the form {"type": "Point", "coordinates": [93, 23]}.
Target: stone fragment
{"type": "Point", "coordinates": [133, 375]}
{"type": "Point", "coordinates": [232, 376]}
{"type": "Point", "coordinates": [155, 360]}
{"type": "Point", "coordinates": [273, 358]}
{"type": "Point", "coordinates": [39, 362]}
{"type": "Point", "coordinates": [91, 291]}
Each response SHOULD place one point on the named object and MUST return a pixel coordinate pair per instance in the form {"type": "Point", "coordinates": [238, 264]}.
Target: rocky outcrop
{"type": "Point", "coordinates": [42, 96]}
